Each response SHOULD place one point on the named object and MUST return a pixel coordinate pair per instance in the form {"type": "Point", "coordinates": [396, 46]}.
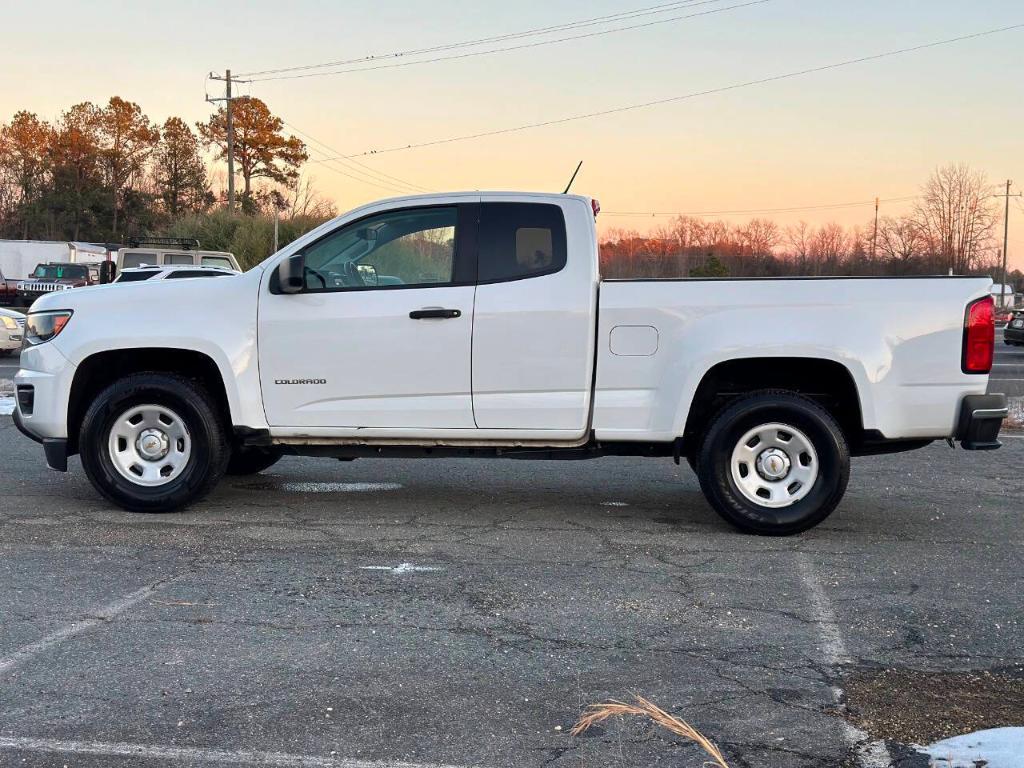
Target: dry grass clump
{"type": "Point", "coordinates": [597, 713]}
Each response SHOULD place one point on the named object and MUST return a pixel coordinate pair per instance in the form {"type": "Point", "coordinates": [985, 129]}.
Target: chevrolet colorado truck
{"type": "Point", "coordinates": [477, 324]}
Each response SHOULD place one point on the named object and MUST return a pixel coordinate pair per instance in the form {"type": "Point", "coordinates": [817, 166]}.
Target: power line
{"type": "Point", "coordinates": [788, 209]}
{"type": "Point", "coordinates": [687, 96]}
{"type": "Point", "coordinates": [520, 47]}
{"type": "Point", "coordinates": [635, 13]}
{"type": "Point", "coordinates": [376, 178]}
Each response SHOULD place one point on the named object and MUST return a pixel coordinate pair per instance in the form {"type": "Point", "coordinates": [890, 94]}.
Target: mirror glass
{"type": "Point", "coordinates": [368, 274]}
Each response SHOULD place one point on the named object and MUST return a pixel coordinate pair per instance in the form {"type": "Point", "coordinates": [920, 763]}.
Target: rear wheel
{"type": "Point", "coordinates": [153, 442]}
{"type": "Point", "coordinates": [249, 461]}
{"type": "Point", "coordinates": [774, 463]}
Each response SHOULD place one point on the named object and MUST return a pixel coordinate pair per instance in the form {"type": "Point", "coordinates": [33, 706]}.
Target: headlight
{"type": "Point", "coordinates": [8, 322]}
{"type": "Point", "coordinates": [41, 327]}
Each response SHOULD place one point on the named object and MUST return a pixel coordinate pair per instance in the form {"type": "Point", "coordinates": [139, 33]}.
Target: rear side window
{"type": "Point", "coordinates": [520, 240]}
{"type": "Point", "coordinates": [132, 259]}
{"type": "Point", "coordinates": [217, 261]}
{"type": "Point", "coordinates": [179, 258]}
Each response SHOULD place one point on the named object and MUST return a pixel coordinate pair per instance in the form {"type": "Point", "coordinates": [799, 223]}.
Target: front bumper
{"type": "Point", "coordinates": [981, 417]}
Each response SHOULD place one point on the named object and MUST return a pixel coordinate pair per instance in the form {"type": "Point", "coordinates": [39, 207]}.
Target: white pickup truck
{"type": "Point", "coordinates": [477, 324]}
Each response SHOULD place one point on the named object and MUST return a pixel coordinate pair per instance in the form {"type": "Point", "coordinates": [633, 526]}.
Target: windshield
{"type": "Point", "coordinates": [61, 272]}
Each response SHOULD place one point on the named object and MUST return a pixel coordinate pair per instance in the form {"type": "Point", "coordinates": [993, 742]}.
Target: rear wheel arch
{"type": "Point", "coordinates": [101, 369]}
{"type": "Point", "coordinates": [829, 383]}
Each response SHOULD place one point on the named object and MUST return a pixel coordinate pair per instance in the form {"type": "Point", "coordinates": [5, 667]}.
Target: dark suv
{"type": "Point", "coordinates": [56, 276]}
{"type": "Point", "coordinates": [1014, 332]}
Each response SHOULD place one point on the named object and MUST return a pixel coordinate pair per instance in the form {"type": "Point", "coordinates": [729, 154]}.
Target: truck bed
{"type": "Point", "coordinates": [899, 338]}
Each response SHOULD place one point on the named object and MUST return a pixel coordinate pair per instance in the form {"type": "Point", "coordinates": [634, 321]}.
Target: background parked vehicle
{"type": "Point", "coordinates": [20, 258]}
{"type": "Point", "coordinates": [1013, 334]}
{"type": "Point", "coordinates": [147, 272]}
{"type": "Point", "coordinates": [12, 328]}
{"type": "Point", "coordinates": [50, 277]}
{"type": "Point", "coordinates": [8, 290]}
{"type": "Point", "coordinates": [172, 252]}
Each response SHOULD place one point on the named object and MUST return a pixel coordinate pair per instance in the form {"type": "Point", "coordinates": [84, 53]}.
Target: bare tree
{"type": "Point", "coordinates": [798, 240]}
{"type": "Point", "coordinates": [901, 242]}
{"type": "Point", "coordinates": [829, 246]}
{"type": "Point", "coordinates": [957, 214]}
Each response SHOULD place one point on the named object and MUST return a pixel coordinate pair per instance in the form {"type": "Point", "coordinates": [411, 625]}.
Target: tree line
{"type": "Point", "coordinates": [952, 226]}
{"type": "Point", "coordinates": [108, 173]}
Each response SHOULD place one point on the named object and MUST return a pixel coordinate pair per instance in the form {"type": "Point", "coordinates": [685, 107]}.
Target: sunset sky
{"type": "Point", "coordinates": [827, 138]}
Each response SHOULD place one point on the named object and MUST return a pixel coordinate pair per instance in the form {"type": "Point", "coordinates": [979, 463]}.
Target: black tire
{"type": "Point", "coordinates": [249, 461]}
{"type": "Point", "coordinates": [198, 411]}
{"type": "Point", "coordinates": [748, 412]}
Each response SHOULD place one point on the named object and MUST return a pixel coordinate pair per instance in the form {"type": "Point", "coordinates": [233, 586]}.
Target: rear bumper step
{"type": "Point", "coordinates": [981, 417]}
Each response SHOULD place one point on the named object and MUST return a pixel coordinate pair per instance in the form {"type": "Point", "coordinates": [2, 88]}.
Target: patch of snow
{"type": "Point", "coordinates": [6, 397]}
{"type": "Point", "coordinates": [1016, 416]}
{"type": "Point", "coordinates": [339, 487]}
{"type": "Point", "coordinates": [614, 504]}
{"type": "Point", "coordinates": [994, 748]}
{"type": "Point", "coordinates": [400, 568]}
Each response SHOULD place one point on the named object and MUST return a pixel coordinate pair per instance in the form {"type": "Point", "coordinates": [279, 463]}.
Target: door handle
{"type": "Point", "coordinates": [435, 314]}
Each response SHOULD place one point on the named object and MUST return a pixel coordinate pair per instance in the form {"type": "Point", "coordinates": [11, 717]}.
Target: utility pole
{"type": "Point", "coordinates": [227, 99]}
{"type": "Point", "coordinates": [874, 237]}
{"type": "Point", "coordinates": [1006, 240]}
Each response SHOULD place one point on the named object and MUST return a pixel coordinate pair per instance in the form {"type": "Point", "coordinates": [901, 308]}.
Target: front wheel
{"type": "Point", "coordinates": [774, 463]}
{"type": "Point", "coordinates": [153, 442]}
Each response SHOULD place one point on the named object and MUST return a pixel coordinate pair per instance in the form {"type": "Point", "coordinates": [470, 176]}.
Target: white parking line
{"type": "Point", "coordinates": [195, 755]}
{"type": "Point", "coordinates": [100, 617]}
{"type": "Point", "coordinates": [870, 754]}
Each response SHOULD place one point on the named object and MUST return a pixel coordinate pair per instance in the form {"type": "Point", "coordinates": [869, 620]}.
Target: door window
{"type": "Point", "coordinates": [407, 248]}
{"type": "Point", "coordinates": [520, 240]}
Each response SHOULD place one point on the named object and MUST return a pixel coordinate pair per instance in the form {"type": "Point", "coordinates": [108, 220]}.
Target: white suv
{"type": "Point", "coordinates": [169, 272]}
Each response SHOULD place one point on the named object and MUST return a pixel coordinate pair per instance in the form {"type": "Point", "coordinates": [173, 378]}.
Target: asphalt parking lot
{"type": "Point", "coordinates": [460, 613]}
{"type": "Point", "coordinates": [463, 613]}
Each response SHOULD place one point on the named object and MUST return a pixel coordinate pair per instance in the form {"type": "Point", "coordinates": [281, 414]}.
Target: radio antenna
{"type": "Point", "coordinates": [569, 186]}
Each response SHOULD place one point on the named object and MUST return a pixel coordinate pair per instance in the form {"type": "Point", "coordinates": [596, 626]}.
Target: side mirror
{"type": "Point", "coordinates": [291, 274]}
{"type": "Point", "coordinates": [108, 271]}
{"type": "Point", "coordinates": [368, 274]}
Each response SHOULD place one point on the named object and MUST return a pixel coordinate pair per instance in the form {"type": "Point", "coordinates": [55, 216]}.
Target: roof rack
{"type": "Point", "coordinates": [183, 243]}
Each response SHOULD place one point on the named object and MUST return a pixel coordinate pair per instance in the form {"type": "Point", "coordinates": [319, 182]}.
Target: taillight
{"type": "Point", "coordinates": [596, 205]}
{"type": "Point", "coordinates": [979, 336]}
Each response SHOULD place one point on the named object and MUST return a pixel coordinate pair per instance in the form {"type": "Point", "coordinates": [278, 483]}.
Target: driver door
{"type": "Point", "coordinates": [381, 335]}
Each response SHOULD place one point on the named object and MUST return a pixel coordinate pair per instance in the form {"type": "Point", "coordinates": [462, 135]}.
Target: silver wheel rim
{"type": "Point", "coordinates": [149, 445]}
{"type": "Point", "coordinates": [774, 465]}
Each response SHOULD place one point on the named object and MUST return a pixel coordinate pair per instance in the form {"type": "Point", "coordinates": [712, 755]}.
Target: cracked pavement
{"type": "Point", "coordinates": [557, 585]}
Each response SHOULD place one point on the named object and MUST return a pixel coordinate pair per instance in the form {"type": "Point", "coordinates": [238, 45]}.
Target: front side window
{"type": "Point", "coordinates": [520, 240]}
{"type": "Point", "coordinates": [411, 248]}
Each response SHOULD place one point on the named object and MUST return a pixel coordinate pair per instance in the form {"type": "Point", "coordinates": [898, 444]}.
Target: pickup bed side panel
{"type": "Point", "coordinates": [900, 339]}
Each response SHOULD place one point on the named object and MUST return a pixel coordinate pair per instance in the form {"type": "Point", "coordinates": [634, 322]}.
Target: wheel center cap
{"type": "Point", "coordinates": [773, 464]}
{"type": "Point", "coordinates": [152, 444]}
